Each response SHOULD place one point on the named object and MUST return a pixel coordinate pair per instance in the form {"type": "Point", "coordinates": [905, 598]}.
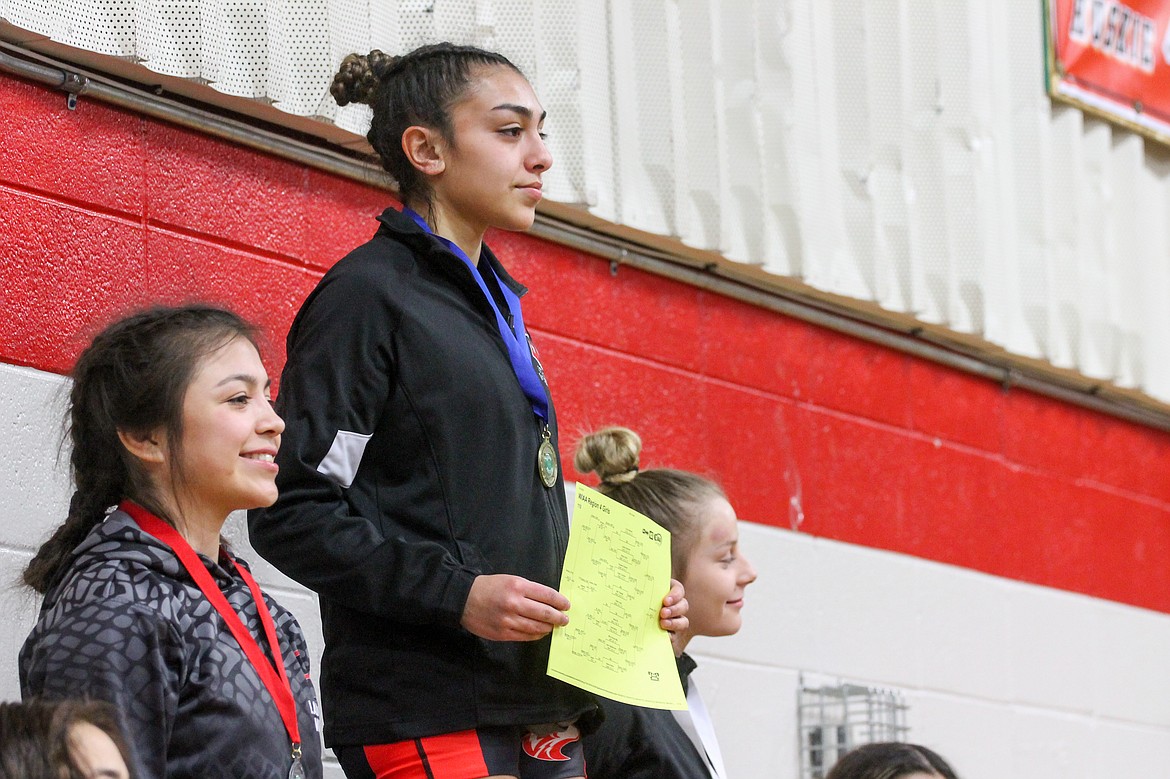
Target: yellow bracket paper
{"type": "Point", "coordinates": [617, 571]}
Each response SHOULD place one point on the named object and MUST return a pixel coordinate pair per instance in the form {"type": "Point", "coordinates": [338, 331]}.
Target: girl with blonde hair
{"type": "Point", "coordinates": [635, 742]}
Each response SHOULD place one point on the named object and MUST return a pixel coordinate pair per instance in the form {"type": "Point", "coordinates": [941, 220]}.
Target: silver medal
{"type": "Point", "coordinates": [297, 769]}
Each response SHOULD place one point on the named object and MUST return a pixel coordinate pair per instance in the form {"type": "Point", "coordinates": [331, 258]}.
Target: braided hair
{"type": "Point", "coordinates": [132, 378]}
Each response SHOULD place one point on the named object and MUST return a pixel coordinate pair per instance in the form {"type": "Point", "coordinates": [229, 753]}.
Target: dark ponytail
{"type": "Point", "coordinates": [417, 88]}
{"type": "Point", "coordinates": [133, 378]}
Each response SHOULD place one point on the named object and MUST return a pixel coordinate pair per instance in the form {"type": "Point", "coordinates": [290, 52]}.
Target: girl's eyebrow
{"type": "Point", "coordinates": [523, 110]}
{"type": "Point", "coordinates": [251, 381]}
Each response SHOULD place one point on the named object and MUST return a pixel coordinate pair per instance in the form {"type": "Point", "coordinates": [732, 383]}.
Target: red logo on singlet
{"type": "Point", "coordinates": [551, 747]}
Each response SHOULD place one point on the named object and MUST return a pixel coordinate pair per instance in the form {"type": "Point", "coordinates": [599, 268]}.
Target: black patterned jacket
{"type": "Point", "coordinates": [128, 625]}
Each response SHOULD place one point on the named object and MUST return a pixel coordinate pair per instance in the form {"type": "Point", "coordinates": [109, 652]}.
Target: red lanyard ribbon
{"type": "Point", "coordinates": [272, 674]}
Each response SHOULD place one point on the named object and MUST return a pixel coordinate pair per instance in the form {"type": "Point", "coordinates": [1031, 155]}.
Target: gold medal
{"type": "Point", "coordinates": [546, 460]}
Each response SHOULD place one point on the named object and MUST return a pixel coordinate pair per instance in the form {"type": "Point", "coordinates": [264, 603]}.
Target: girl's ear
{"type": "Point", "coordinates": [148, 446]}
{"type": "Point", "coordinates": [424, 148]}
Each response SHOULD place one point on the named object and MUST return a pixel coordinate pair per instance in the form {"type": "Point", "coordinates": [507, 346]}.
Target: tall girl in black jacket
{"type": "Point", "coordinates": [420, 487]}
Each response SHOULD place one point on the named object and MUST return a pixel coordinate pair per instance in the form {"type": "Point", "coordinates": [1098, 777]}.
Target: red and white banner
{"type": "Point", "coordinates": [1113, 58]}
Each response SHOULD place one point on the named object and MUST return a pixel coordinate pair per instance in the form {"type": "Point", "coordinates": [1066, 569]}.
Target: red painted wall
{"type": "Point", "coordinates": [102, 210]}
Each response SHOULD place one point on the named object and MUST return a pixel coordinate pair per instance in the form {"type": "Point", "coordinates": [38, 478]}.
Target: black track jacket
{"type": "Point", "coordinates": [407, 468]}
{"type": "Point", "coordinates": [639, 743]}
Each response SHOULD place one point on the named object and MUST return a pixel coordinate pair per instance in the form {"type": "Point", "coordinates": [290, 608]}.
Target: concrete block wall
{"type": "Point", "coordinates": [1001, 557]}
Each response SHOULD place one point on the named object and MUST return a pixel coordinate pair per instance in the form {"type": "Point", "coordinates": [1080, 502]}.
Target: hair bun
{"type": "Point", "coordinates": [359, 75]}
{"type": "Point", "coordinates": [612, 453]}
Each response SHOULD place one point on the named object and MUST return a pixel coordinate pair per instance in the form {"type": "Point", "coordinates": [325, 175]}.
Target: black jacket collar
{"type": "Point", "coordinates": [406, 230]}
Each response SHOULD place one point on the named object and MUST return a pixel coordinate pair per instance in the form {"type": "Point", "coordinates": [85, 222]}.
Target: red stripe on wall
{"type": "Point", "coordinates": [102, 211]}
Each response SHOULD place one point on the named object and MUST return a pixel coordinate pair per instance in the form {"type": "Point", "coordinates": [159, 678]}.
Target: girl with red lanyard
{"type": "Point", "coordinates": [170, 421]}
{"type": "Point", "coordinates": [421, 493]}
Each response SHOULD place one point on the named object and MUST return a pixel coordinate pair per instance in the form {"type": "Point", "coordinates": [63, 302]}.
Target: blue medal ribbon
{"type": "Point", "coordinates": [515, 337]}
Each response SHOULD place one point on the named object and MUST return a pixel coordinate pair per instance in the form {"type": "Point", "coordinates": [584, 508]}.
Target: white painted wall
{"type": "Point", "coordinates": [1004, 679]}
{"type": "Point", "coordinates": [1007, 680]}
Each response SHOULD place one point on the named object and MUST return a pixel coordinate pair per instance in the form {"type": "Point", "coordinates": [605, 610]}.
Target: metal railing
{"type": "Point", "coordinates": [834, 718]}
